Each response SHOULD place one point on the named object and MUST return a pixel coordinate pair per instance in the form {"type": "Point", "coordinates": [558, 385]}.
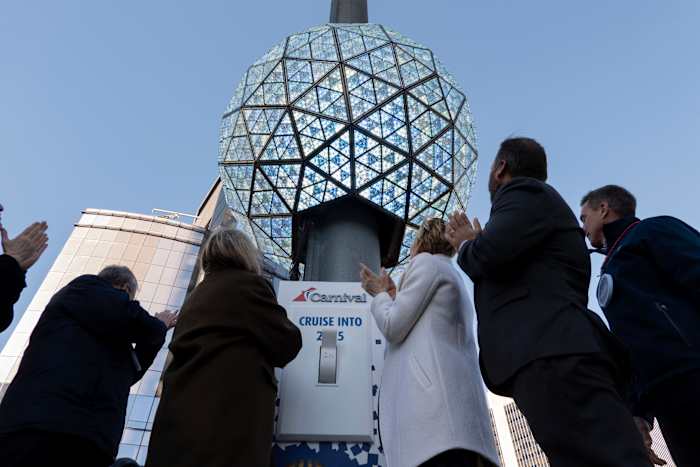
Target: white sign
{"type": "Point", "coordinates": [326, 392]}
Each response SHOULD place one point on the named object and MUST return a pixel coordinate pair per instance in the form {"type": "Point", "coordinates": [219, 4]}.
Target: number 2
{"type": "Point", "coordinates": [341, 336]}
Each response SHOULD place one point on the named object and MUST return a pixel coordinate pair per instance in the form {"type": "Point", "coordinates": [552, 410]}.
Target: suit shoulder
{"type": "Point", "coordinates": [526, 184]}
{"type": "Point", "coordinates": [524, 187]}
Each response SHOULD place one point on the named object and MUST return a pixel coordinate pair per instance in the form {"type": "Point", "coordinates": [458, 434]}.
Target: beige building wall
{"type": "Point", "coordinates": [162, 253]}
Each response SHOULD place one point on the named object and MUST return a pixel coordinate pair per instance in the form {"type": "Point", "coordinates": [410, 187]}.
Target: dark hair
{"type": "Point", "coordinates": [524, 157]}
{"type": "Point", "coordinates": [619, 200]}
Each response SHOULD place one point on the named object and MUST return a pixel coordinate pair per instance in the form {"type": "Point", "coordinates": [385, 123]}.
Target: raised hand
{"type": "Point", "coordinates": [169, 318]}
{"type": "Point", "coordinates": [28, 246]}
{"type": "Point", "coordinates": [388, 283]}
{"type": "Point", "coordinates": [372, 283]}
{"type": "Point", "coordinates": [459, 229]}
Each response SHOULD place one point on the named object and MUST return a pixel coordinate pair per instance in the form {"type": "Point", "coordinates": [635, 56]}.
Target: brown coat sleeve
{"type": "Point", "coordinates": [278, 337]}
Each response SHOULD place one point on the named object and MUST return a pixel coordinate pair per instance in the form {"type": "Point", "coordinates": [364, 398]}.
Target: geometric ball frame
{"type": "Point", "coordinates": [345, 110]}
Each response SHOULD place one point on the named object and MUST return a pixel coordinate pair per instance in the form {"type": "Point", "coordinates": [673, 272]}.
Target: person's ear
{"type": "Point", "coordinates": [500, 170]}
{"type": "Point", "coordinates": [604, 209]}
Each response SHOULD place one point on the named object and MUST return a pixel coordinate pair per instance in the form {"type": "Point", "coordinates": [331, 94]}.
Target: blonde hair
{"type": "Point", "coordinates": [229, 248]}
{"type": "Point", "coordinates": [431, 238]}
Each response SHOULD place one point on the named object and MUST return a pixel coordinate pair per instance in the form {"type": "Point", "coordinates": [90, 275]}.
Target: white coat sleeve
{"type": "Point", "coordinates": [395, 318]}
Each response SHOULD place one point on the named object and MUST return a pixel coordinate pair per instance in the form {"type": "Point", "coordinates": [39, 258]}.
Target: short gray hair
{"type": "Point", "coordinates": [120, 277]}
{"type": "Point", "coordinates": [229, 248]}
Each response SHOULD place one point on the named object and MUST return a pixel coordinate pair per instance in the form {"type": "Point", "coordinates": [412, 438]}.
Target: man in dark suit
{"type": "Point", "coordinates": [69, 397]}
{"type": "Point", "coordinates": [538, 342]}
{"type": "Point", "coordinates": [649, 290]}
{"type": "Point", "coordinates": [20, 253]}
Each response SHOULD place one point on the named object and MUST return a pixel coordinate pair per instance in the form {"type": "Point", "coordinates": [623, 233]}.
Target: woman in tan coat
{"type": "Point", "coordinates": [218, 399]}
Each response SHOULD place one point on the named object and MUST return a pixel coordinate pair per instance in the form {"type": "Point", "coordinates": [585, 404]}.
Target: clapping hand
{"type": "Point", "coordinates": [459, 229]}
{"type": "Point", "coordinates": [645, 429]}
{"type": "Point", "coordinates": [28, 246]}
{"type": "Point", "coordinates": [374, 284]}
{"type": "Point", "coordinates": [169, 318]}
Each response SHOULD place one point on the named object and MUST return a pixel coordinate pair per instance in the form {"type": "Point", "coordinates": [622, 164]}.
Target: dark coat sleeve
{"type": "Point", "coordinates": [674, 247]}
{"type": "Point", "coordinates": [518, 223]}
{"type": "Point", "coordinates": [148, 337]}
{"type": "Point", "coordinates": [113, 316]}
{"type": "Point", "coordinates": [11, 285]}
{"type": "Point", "coordinates": [278, 337]}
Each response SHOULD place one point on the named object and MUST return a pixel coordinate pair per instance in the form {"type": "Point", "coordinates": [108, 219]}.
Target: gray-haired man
{"type": "Point", "coordinates": [69, 397]}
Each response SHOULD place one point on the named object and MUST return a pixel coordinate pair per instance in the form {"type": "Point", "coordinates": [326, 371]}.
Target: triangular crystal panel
{"type": "Point", "coordinates": [436, 209]}
{"type": "Point", "coordinates": [334, 160]}
{"type": "Point", "coordinates": [438, 156]}
{"type": "Point", "coordinates": [256, 75]}
{"type": "Point", "coordinates": [240, 178]}
{"type": "Point", "coordinates": [426, 127]}
{"type": "Point", "coordinates": [350, 43]}
{"type": "Point", "coordinates": [388, 123]}
{"type": "Point", "coordinates": [314, 130]}
{"type": "Point", "coordinates": [373, 159]}
{"type": "Point", "coordinates": [317, 189]}
{"type": "Point", "coordinates": [264, 199]}
{"type": "Point", "coordinates": [237, 147]}
{"type": "Point", "coordinates": [300, 45]}
{"type": "Point", "coordinates": [463, 155]}
{"type": "Point", "coordinates": [323, 47]}
{"type": "Point", "coordinates": [267, 246]}
{"type": "Point", "coordinates": [389, 192]}
{"type": "Point", "coordinates": [283, 144]}
{"type": "Point", "coordinates": [384, 64]}
{"type": "Point", "coordinates": [261, 123]}
{"type": "Point", "coordinates": [453, 97]}
{"type": "Point", "coordinates": [285, 180]}
{"type": "Point", "coordinates": [465, 124]}
{"type": "Point", "coordinates": [302, 74]}
{"type": "Point", "coordinates": [326, 97]}
{"type": "Point", "coordinates": [366, 92]}
{"type": "Point", "coordinates": [421, 54]}
{"type": "Point", "coordinates": [425, 188]}
{"type": "Point", "coordinates": [279, 229]}
{"type": "Point", "coordinates": [428, 92]}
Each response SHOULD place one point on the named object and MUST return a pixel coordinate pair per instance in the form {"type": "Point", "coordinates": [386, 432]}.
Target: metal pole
{"type": "Point", "coordinates": [339, 240]}
{"type": "Point", "coordinates": [349, 11]}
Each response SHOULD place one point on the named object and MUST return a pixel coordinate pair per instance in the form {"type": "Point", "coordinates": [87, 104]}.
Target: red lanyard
{"type": "Point", "coordinates": [612, 249]}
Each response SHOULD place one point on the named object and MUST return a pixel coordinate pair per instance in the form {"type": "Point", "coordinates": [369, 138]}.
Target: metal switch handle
{"type": "Point", "coordinates": [328, 357]}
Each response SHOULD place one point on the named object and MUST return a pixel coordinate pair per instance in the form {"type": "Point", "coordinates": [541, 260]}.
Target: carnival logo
{"type": "Point", "coordinates": [304, 296]}
{"type": "Point", "coordinates": [310, 295]}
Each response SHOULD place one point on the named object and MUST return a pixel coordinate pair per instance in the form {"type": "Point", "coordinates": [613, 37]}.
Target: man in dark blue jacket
{"type": "Point", "coordinates": [649, 290]}
{"type": "Point", "coordinates": [69, 397]}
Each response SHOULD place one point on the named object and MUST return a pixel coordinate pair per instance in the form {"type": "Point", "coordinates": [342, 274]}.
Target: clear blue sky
{"type": "Point", "coordinates": [116, 105]}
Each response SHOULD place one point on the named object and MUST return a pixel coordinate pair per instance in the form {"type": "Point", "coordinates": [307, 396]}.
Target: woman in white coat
{"type": "Point", "coordinates": [432, 406]}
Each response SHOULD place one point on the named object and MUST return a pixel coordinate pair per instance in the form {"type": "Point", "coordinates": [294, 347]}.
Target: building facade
{"type": "Point", "coordinates": [161, 252]}
{"type": "Point", "coordinates": [517, 446]}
